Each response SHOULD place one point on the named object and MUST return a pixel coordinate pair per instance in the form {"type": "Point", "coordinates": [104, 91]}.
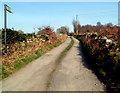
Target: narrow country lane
{"type": "Point", "coordinates": [60, 46]}
{"type": "Point", "coordinates": [73, 73]}
{"type": "Point", "coordinates": [34, 76]}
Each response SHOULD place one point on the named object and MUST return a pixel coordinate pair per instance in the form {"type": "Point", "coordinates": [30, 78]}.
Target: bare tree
{"type": "Point", "coordinates": [76, 26]}
{"type": "Point", "coordinates": [63, 30]}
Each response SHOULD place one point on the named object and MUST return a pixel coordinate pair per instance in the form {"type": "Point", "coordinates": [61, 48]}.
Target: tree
{"type": "Point", "coordinates": [47, 32]}
{"type": "Point", "coordinates": [63, 30]}
{"type": "Point", "coordinates": [79, 28]}
{"type": "Point", "coordinates": [76, 25]}
{"type": "Point", "coordinates": [99, 24]}
{"type": "Point", "coordinates": [109, 24]}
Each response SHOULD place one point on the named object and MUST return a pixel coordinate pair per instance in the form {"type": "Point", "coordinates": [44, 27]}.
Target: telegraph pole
{"type": "Point", "coordinates": [76, 24]}
{"type": "Point", "coordinates": [76, 17]}
{"type": "Point", "coordinates": [5, 26]}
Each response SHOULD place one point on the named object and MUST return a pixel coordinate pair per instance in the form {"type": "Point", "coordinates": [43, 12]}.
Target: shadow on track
{"type": "Point", "coordinates": [84, 60]}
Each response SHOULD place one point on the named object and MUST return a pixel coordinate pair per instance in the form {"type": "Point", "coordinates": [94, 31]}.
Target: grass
{"type": "Point", "coordinates": [9, 69]}
{"type": "Point", "coordinates": [18, 64]}
{"type": "Point", "coordinates": [59, 59]}
{"type": "Point", "coordinates": [62, 55]}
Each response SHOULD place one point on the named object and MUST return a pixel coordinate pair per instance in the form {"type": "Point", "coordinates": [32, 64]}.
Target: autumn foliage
{"type": "Point", "coordinates": [101, 46]}
{"type": "Point", "coordinates": [104, 60]}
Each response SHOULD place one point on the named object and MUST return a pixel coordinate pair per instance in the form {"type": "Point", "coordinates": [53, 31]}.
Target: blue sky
{"type": "Point", "coordinates": [29, 15]}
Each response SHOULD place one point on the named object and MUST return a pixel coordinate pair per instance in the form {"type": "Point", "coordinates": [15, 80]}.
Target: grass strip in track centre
{"type": "Point", "coordinates": [64, 52]}
{"type": "Point", "coordinates": [7, 70]}
{"type": "Point", "coordinates": [58, 60]}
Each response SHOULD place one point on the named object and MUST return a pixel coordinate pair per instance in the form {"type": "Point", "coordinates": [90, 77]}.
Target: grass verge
{"type": "Point", "coordinates": [7, 70]}
{"type": "Point", "coordinates": [58, 60]}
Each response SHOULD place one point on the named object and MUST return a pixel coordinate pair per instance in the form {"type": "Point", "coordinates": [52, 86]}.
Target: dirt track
{"type": "Point", "coordinates": [71, 74]}
{"type": "Point", "coordinates": [34, 76]}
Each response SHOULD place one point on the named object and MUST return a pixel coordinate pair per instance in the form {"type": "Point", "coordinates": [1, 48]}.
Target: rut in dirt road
{"type": "Point", "coordinates": [73, 75]}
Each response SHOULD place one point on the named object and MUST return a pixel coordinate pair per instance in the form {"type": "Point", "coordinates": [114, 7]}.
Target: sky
{"type": "Point", "coordinates": [30, 15]}
{"type": "Point", "coordinates": [60, 0]}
